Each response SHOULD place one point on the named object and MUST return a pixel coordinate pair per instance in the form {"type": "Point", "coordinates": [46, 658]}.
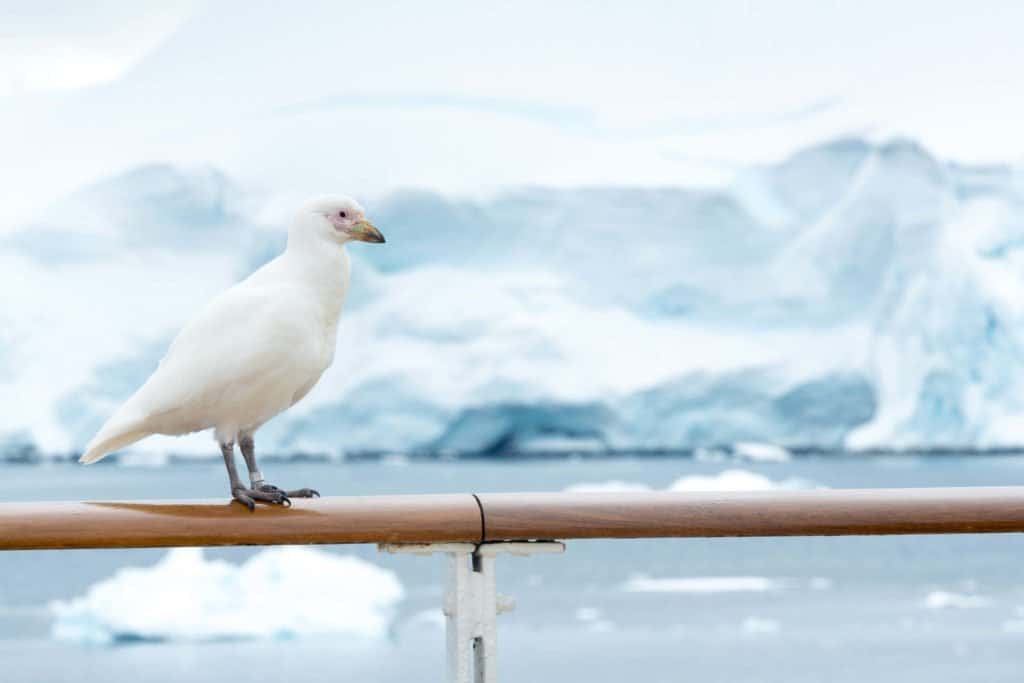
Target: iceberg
{"type": "Point", "coordinates": [857, 295]}
{"type": "Point", "coordinates": [523, 428]}
{"type": "Point", "coordinates": [284, 592]}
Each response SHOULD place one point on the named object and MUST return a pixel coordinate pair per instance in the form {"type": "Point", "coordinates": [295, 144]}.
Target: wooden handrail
{"type": "Point", "coordinates": [825, 512]}
{"type": "Point", "coordinates": [149, 524]}
{"type": "Point", "coordinates": [513, 516]}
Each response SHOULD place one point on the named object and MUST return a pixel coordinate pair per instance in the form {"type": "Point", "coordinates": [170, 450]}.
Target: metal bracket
{"type": "Point", "coordinates": [471, 602]}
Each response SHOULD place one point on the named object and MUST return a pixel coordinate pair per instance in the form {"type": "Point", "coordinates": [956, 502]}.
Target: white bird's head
{"type": "Point", "coordinates": [336, 218]}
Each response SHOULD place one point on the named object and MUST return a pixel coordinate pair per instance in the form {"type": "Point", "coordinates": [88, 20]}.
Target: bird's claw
{"type": "Point", "coordinates": [241, 497]}
{"type": "Point", "coordinates": [264, 493]}
{"type": "Point", "coordinates": [276, 495]}
{"type": "Point", "coordinates": [304, 493]}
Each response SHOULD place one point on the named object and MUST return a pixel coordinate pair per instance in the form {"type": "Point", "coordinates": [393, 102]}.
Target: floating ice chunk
{"type": "Point", "coordinates": [728, 480]}
{"type": "Point", "coordinates": [611, 486]}
{"type": "Point", "coordinates": [1013, 626]}
{"type": "Point", "coordinates": [760, 625]}
{"type": "Point", "coordinates": [760, 452]}
{"type": "Point", "coordinates": [701, 584]}
{"type": "Point", "coordinates": [948, 600]}
{"type": "Point", "coordinates": [278, 593]}
{"type": "Point", "coordinates": [594, 619]}
{"type": "Point", "coordinates": [738, 480]}
{"type": "Point", "coordinates": [821, 583]}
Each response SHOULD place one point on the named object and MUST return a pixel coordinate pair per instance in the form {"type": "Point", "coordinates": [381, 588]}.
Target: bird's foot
{"type": "Point", "coordinates": [265, 493]}
{"type": "Point", "coordinates": [268, 493]}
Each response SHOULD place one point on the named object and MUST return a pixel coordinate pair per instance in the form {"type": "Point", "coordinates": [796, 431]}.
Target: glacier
{"type": "Point", "coordinates": [859, 294]}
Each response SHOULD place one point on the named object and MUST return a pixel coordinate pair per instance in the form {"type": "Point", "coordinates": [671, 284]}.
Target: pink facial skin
{"type": "Point", "coordinates": [341, 224]}
{"type": "Point", "coordinates": [355, 226]}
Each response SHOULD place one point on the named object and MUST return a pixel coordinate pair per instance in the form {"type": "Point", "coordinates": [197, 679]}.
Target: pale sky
{"type": "Point", "coordinates": [465, 97]}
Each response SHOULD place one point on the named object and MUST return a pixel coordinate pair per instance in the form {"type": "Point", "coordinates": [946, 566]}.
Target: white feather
{"type": "Point", "coordinates": [253, 352]}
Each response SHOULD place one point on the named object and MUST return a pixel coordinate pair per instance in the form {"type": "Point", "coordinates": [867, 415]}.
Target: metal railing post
{"type": "Point", "coordinates": [472, 603]}
{"type": "Point", "coordinates": [485, 635]}
{"type": "Point", "coordinates": [458, 612]}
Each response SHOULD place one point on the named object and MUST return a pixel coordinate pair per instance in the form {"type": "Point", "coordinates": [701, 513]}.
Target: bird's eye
{"type": "Point", "coordinates": [342, 214]}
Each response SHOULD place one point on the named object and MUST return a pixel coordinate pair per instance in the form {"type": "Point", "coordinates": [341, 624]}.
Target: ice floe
{"type": "Point", "coordinates": [640, 583]}
{"type": "Point", "coordinates": [727, 480]}
{"type": "Point", "coordinates": [760, 625]}
{"type": "Point", "coordinates": [594, 620]}
{"type": "Point", "coordinates": [283, 592]}
{"type": "Point", "coordinates": [1013, 626]}
{"type": "Point", "coordinates": [611, 486]}
{"type": "Point", "coordinates": [949, 600]}
{"type": "Point", "coordinates": [738, 480]}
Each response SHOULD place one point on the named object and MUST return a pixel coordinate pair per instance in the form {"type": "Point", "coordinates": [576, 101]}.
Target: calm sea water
{"type": "Point", "coordinates": [943, 608]}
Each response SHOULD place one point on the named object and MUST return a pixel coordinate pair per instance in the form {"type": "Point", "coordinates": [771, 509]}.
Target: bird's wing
{"type": "Point", "coordinates": [248, 334]}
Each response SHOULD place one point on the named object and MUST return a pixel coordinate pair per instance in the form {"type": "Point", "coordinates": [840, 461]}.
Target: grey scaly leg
{"type": "Point", "coordinates": [248, 447]}
{"type": "Point", "coordinates": [247, 497]}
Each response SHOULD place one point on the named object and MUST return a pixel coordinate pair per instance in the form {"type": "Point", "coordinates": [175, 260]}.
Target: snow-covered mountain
{"type": "Point", "coordinates": [857, 295]}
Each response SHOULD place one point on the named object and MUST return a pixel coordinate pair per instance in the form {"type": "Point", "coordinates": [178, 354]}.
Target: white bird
{"type": "Point", "coordinates": [253, 352]}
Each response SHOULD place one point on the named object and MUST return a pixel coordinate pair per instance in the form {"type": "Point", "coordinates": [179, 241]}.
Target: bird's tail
{"type": "Point", "coordinates": [114, 435]}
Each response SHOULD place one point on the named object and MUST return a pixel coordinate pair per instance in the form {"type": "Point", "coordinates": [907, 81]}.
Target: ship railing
{"type": "Point", "coordinates": [473, 530]}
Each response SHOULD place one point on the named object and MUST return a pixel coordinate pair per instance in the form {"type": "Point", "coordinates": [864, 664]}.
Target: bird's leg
{"type": "Point", "coordinates": [243, 495]}
{"type": "Point", "coordinates": [248, 447]}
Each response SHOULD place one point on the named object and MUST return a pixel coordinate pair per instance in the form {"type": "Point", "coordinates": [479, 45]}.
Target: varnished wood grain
{"type": "Point", "coordinates": [385, 519]}
{"type": "Point", "coordinates": [833, 512]}
{"type": "Point", "coordinates": [512, 516]}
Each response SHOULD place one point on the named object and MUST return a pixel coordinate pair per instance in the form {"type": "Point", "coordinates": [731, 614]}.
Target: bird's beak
{"type": "Point", "coordinates": [364, 231]}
